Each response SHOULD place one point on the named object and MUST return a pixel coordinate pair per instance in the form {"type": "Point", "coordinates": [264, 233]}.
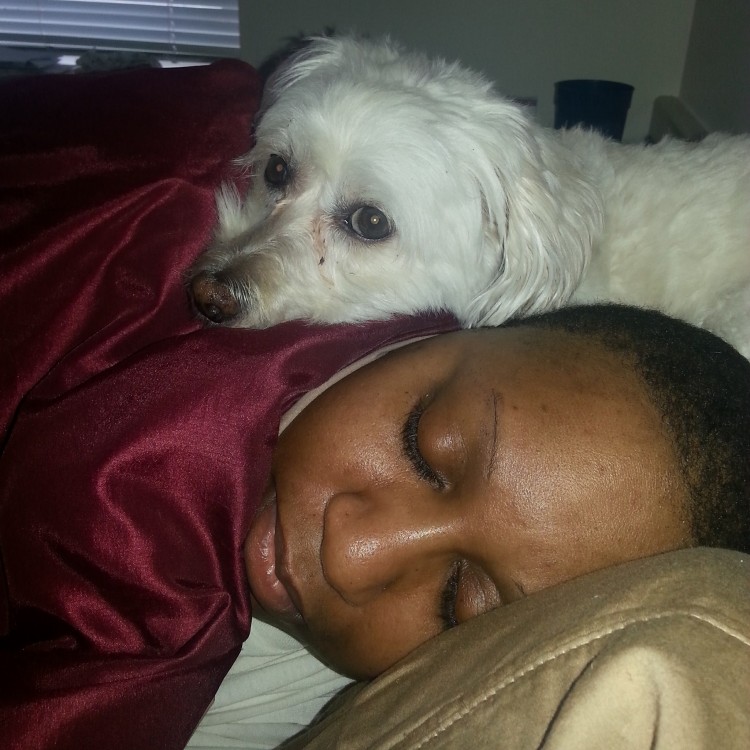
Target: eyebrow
{"type": "Point", "coordinates": [492, 454]}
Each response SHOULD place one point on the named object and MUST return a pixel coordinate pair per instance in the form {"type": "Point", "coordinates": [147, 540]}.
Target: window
{"type": "Point", "coordinates": [206, 28]}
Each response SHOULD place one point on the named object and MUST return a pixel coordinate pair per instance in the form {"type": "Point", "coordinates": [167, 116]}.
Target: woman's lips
{"type": "Point", "coordinates": [263, 568]}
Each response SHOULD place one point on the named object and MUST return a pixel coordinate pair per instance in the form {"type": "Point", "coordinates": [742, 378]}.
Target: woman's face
{"type": "Point", "coordinates": [453, 476]}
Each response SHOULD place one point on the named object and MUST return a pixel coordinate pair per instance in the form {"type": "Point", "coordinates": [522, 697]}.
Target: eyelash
{"type": "Point", "coordinates": [410, 441]}
{"type": "Point", "coordinates": [448, 598]}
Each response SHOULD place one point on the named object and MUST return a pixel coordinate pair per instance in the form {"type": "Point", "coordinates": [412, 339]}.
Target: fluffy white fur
{"type": "Point", "coordinates": [492, 215]}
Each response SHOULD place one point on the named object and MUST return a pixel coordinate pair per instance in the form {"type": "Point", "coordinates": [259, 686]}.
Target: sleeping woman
{"type": "Point", "coordinates": [423, 487]}
{"type": "Point", "coordinates": [495, 463]}
{"type": "Point", "coordinates": [463, 472]}
{"type": "Point", "coordinates": [469, 470]}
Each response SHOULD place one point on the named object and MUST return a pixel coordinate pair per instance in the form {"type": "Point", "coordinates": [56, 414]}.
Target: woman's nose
{"type": "Point", "coordinates": [379, 541]}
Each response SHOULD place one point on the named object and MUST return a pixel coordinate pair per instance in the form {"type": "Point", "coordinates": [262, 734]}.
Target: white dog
{"type": "Point", "coordinates": [383, 182]}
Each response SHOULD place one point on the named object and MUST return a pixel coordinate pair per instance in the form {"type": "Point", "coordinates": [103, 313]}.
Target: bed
{"type": "Point", "coordinates": [134, 449]}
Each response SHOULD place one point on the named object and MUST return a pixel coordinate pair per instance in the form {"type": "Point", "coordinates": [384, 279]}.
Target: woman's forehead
{"type": "Point", "coordinates": [515, 348]}
{"type": "Point", "coordinates": [469, 362]}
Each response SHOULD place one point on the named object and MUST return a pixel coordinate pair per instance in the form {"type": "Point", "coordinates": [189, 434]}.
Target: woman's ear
{"type": "Point", "coordinates": [541, 214]}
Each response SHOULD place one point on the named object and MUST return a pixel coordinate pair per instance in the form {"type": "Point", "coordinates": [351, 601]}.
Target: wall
{"type": "Point", "coordinates": [523, 45]}
{"type": "Point", "coordinates": [716, 80]}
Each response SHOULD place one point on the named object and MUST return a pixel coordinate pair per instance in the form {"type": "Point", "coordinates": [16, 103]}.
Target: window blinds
{"type": "Point", "coordinates": [200, 27]}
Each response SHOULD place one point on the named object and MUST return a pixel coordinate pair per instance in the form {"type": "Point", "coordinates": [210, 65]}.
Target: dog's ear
{"type": "Point", "coordinates": [338, 53]}
{"type": "Point", "coordinates": [306, 56]}
{"type": "Point", "coordinates": [541, 216]}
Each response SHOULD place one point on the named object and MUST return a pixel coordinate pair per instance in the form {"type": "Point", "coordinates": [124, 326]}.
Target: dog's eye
{"type": "Point", "coordinates": [277, 171]}
{"type": "Point", "coordinates": [369, 223]}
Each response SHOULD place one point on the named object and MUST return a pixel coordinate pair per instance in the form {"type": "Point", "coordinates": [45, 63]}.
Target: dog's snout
{"type": "Point", "coordinates": [213, 298]}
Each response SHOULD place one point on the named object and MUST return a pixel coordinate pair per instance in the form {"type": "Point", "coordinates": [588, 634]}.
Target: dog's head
{"type": "Point", "coordinates": [386, 183]}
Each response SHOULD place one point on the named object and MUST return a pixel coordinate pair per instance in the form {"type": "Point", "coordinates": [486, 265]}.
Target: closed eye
{"type": "Point", "coordinates": [448, 598]}
{"type": "Point", "coordinates": [410, 443]}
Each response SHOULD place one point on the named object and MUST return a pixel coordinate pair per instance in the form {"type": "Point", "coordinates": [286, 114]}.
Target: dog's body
{"type": "Point", "coordinates": [676, 231]}
{"type": "Point", "coordinates": [386, 183]}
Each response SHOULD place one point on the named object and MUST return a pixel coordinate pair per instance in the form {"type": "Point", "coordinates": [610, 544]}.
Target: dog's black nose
{"type": "Point", "coordinates": [213, 299]}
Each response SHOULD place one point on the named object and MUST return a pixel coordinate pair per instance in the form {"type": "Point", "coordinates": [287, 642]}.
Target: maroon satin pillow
{"type": "Point", "coordinates": [106, 194]}
{"type": "Point", "coordinates": [135, 444]}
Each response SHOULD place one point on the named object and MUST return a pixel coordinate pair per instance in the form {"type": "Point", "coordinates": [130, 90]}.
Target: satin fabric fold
{"type": "Point", "coordinates": [106, 195]}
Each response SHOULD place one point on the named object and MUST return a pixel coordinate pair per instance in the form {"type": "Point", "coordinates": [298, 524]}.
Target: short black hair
{"type": "Point", "coordinates": [701, 387]}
